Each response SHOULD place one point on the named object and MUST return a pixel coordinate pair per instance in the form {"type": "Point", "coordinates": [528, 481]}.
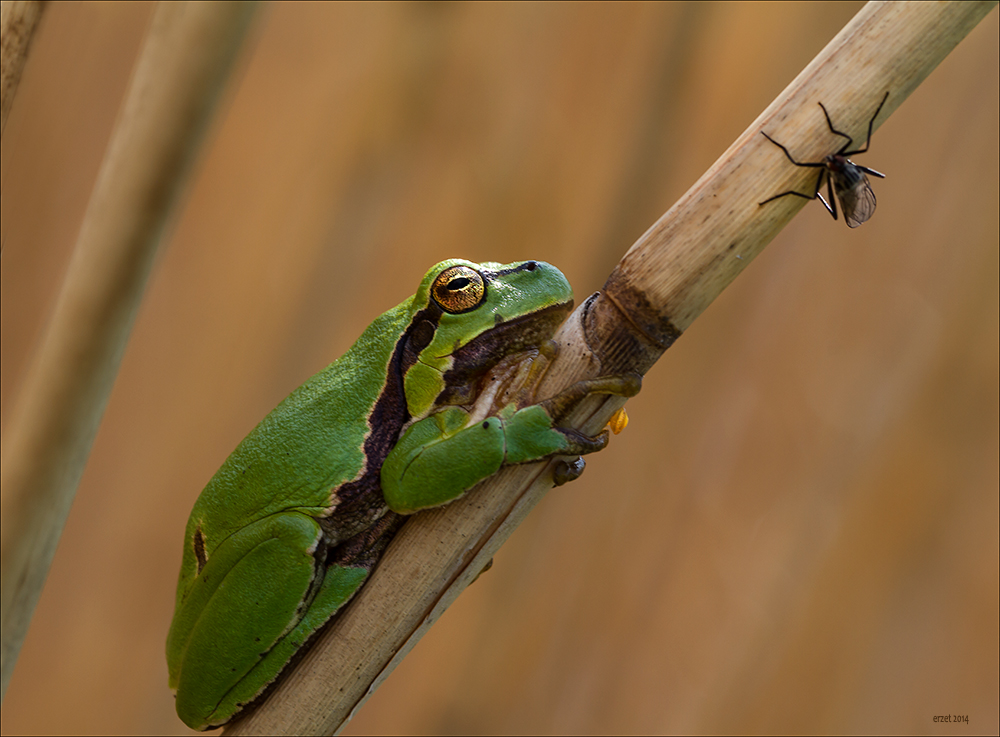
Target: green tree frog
{"type": "Point", "coordinates": [411, 417]}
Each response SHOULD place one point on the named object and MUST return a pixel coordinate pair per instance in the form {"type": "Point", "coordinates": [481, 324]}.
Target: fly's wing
{"type": "Point", "coordinates": [856, 199]}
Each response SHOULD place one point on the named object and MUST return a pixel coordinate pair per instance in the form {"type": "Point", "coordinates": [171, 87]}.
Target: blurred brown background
{"type": "Point", "coordinates": [798, 530]}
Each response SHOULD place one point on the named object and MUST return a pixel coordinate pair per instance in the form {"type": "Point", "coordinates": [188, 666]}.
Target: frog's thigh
{"type": "Point", "coordinates": [255, 583]}
{"type": "Point", "coordinates": [339, 584]}
{"type": "Point", "coordinates": [426, 469]}
{"type": "Point", "coordinates": [341, 580]}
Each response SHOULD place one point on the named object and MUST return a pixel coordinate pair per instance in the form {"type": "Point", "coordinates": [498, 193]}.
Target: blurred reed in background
{"type": "Point", "coordinates": [799, 529]}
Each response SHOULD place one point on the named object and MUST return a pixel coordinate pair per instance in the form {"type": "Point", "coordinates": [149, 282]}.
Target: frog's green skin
{"type": "Point", "coordinates": [292, 524]}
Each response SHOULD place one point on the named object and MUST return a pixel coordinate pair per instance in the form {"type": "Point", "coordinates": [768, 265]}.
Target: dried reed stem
{"type": "Point", "coordinates": [18, 21]}
{"type": "Point", "coordinates": [665, 280]}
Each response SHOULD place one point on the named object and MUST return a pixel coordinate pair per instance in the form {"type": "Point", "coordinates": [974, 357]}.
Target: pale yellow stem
{"type": "Point", "coordinates": [187, 57]}
{"type": "Point", "coordinates": [18, 21]}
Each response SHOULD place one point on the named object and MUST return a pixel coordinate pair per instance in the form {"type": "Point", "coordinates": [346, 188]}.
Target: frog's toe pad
{"type": "Point", "coordinates": [566, 471]}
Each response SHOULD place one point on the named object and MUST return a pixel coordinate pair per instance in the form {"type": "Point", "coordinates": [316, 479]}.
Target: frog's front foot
{"type": "Point", "coordinates": [563, 403]}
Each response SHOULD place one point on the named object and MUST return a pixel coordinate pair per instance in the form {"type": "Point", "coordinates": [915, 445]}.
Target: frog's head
{"type": "Point", "coordinates": [468, 316]}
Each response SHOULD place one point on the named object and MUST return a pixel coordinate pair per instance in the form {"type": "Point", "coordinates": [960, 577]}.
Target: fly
{"type": "Point", "coordinates": [845, 178]}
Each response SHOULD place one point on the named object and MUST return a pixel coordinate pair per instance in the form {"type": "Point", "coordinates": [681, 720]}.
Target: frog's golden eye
{"type": "Point", "coordinates": [458, 289]}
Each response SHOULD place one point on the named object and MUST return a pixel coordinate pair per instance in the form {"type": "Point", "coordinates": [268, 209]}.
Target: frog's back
{"type": "Point", "coordinates": [311, 443]}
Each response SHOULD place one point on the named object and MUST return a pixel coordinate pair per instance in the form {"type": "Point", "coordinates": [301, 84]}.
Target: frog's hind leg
{"type": "Point", "coordinates": [348, 566]}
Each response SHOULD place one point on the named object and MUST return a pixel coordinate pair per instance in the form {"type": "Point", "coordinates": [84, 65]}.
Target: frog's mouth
{"type": "Point", "coordinates": [484, 351]}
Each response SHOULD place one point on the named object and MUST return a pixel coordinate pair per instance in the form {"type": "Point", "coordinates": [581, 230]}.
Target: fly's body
{"type": "Point", "coordinates": [845, 179]}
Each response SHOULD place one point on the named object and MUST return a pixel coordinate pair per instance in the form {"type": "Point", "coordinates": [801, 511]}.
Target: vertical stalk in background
{"type": "Point", "coordinates": [187, 57]}
{"type": "Point", "coordinates": [18, 21]}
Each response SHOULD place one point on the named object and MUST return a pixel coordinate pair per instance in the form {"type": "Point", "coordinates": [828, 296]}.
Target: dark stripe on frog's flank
{"type": "Point", "coordinates": [360, 501]}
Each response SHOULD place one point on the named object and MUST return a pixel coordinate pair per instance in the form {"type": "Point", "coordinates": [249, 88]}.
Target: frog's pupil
{"type": "Point", "coordinates": [457, 284]}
